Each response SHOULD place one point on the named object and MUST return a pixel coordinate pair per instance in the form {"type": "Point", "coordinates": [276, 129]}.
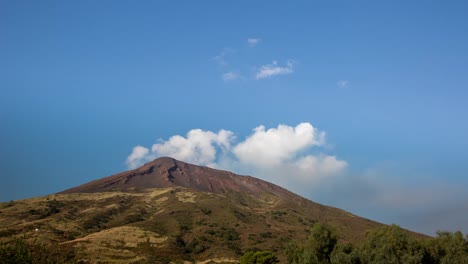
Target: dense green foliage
{"type": "Point", "coordinates": [22, 251]}
{"type": "Point", "coordinates": [322, 241]}
{"type": "Point", "coordinates": [448, 248]}
{"type": "Point", "coordinates": [390, 244]}
{"type": "Point", "coordinates": [319, 247]}
{"type": "Point", "coordinates": [259, 257]}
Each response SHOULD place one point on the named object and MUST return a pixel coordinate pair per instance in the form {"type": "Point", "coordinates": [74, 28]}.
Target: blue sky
{"type": "Point", "coordinates": [83, 83]}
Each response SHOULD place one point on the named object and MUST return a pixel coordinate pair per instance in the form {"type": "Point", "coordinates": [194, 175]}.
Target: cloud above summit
{"type": "Point", "coordinates": [274, 154]}
{"type": "Point", "coordinates": [198, 147]}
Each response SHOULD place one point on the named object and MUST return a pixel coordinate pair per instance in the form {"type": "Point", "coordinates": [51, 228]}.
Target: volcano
{"type": "Point", "coordinates": [167, 172]}
{"type": "Point", "coordinates": [169, 210]}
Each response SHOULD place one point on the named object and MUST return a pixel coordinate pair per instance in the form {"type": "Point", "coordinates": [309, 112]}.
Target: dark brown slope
{"type": "Point", "coordinates": [168, 172]}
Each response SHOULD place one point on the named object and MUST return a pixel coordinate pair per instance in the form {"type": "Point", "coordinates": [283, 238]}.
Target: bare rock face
{"type": "Point", "coordinates": [167, 172]}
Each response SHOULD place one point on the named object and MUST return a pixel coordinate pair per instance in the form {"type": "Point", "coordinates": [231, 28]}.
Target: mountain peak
{"type": "Point", "coordinates": [167, 172]}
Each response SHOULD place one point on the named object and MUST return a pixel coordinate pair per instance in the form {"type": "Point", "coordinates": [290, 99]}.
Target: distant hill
{"type": "Point", "coordinates": [169, 210]}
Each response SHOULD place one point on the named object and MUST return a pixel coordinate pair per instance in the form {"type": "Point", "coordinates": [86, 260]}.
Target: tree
{"type": "Point", "coordinates": [391, 245]}
{"type": "Point", "coordinates": [294, 253]}
{"type": "Point", "coordinates": [259, 257]}
{"type": "Point", "coordinates": [319, 246]}
{"type": "Point", "coordinates": [345, 254]}
{"type": "Point", "coordinates": [322, 241]}
{"type": "Point", "coordinates": [448, 248]}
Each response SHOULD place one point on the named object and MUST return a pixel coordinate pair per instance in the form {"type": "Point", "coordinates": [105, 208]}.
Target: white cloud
{"type": "Point", "coordinates": [221, 57]}
{"type": "Point", "coordinates": [137, 157]}
{"type": "Point", "coordinates": [253, 41]}
{"type": "Point", "coordinates": [275, 154]}
{"type": "Point", "coordinates": [321, 165]}
{"type": "Point", "coordinates": [273, 69]}
{"type": "Point", "coordinates": [343, 83]}
{"type": "Point", "coordinates": [230, 76]}
{"type": "Point", "coordinates": [276, 145]}
{"type": "Point", "coordinates": [198, 147]}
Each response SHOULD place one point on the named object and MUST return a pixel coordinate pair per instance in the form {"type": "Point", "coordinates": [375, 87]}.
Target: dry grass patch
{"type": "Point", "coordinates": [186, 197]}
{"type": "Point", "coordinates": [218, 260]}
{"type": "Point", "coordinates": [157, 192]}
{"type": "Point", "coordinates": [125, 236]}
{"type": "Point", "coordinates": [115, 245]}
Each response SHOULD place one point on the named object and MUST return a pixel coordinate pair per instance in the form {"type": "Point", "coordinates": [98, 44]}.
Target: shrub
{"type": "Point", "coordinates": [259, 257]}
{"type": "Point", "coordinates": [20, 251]}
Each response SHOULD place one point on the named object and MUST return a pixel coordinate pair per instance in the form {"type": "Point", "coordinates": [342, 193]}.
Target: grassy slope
{"type": "Point", "coordinates": [172, 223]}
